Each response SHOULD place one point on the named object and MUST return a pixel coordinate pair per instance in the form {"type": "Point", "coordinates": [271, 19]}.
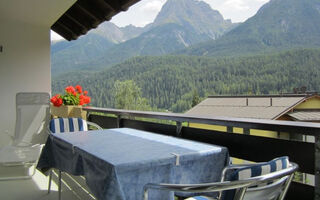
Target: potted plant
{"type": "Point", "coordinates": [70, 104]}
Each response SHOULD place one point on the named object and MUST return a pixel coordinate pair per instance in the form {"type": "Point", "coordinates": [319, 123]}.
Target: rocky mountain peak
{"type": "Point", "coordinates": [195, 14]}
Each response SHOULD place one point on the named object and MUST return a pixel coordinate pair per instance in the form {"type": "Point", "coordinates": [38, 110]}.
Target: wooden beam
{"type": "Point", "coordinates": [76, 14]}
{"type": "Point", "coordinates": [72, 26]}
{"type": "Point", "coordinates": [64, 31]}
{"type": "Point", "coordinates": [115, 5]}
{"type": "Point", "coordinates": [96, 20]}
{"type": "Point", "coordinates": [78, 22]}
{"type": "Point", "coordinates": [93, 9]}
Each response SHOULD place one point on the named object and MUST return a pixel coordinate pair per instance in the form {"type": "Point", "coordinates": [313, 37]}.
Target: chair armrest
{"type": "Point", "coordinates": [94, 125]}
{"type": "Point", "coordinates": [197, 188]}
{"type": "Point", "coordinates": [240, 185]}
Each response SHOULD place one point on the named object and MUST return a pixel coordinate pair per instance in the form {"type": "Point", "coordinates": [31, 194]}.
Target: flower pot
{"type": "Point", "coordinates": [68, 111]}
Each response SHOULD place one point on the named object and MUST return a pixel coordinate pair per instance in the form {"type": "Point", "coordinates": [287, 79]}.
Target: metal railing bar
{"type": "Point", "coordinates": [305, 128]}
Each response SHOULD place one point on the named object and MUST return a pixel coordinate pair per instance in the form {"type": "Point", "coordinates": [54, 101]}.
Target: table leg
{"type": "Point", "coordinates": [49, 184]}
{"type": "Point", "coordinates": [59, 186]}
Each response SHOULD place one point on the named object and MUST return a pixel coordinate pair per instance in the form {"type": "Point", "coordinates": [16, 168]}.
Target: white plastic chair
{"type": "Point", "coordinates": [64, 125]}
{"type": "Point", "coordinates": [17, 161]}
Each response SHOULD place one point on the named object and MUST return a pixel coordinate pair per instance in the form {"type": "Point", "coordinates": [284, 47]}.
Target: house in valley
{"type": "Point", "coordinates": [288, 107]}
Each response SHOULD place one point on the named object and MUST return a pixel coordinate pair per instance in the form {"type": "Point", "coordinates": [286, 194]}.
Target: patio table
{"type": "Point", "coordinates": [117, 163]}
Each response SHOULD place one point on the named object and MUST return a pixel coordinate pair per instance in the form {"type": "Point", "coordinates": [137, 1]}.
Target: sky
{"type": "Point", "coordinates": [145, 11]}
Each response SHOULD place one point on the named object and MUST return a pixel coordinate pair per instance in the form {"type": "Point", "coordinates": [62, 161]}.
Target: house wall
{"type": "Point", "coordinates": [24, 67]}
{"type": "Point", "coordinates": [263, 133]}
{"type": "Point", "coordinates": [25, 56]}
{"type": "Point", "coordinates": [208, 127]}
{"type": "Point", "coordinates": [312, 103]}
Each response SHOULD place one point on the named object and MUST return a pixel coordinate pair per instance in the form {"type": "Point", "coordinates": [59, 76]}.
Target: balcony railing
{"type": "Point", "coordinates": [244, 146]}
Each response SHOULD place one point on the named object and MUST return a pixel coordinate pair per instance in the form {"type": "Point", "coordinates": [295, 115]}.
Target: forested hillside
{"type": "Point", "coordinates": [168, 82]}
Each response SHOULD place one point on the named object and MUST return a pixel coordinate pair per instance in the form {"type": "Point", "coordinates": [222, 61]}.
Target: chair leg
{"type": "Point", "coordinates": [59, 185]}
{"type": "Point", "coordinates": [286, 187]}
{"type": "Point", "coordinates": [49, 183]}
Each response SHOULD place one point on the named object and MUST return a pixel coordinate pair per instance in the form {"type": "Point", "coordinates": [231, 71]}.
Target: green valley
{"type": "Point", "coordinates": [168, 82]}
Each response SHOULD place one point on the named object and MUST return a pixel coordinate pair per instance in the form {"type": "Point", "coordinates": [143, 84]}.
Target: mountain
{"type": "Point", "coordinates": [160, 40]}
{"type": "Point", "coordinates": [197, 15]}
{"type": "Point", "coordinates": [131, 31]}
{"type": "Point", "coordinates": [75, 55]}
{"type": "Point", "coordinates": [109, 31]}
{"type": "Point", "coordinates": [80, 54]}
{"type": "Point", "coordinates": [179, 24]}
{"type": "Point", "coordinates": [278, 25]}
{"type": "Point", "coordinates": [118, 34]}
{"type": "Point", "coordinates": [168, 82]}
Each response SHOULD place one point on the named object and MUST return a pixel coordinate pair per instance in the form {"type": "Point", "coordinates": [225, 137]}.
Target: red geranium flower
{"type": "Point", "coordinates": [57, 100]}
{"type": "Point", "coordinates": [79, 88]}
{"type": "Point", "coordinates": [73, 96]}
{"type": "Point", "coordinates": [70, 89]}
{"type": "Point", "coordinates": [87, 100]}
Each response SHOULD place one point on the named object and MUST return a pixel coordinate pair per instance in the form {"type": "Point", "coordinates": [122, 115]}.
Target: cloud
{"type": "Point", "coordinates": [145, 11]}
{"type": "Point", "coordinates": [139, 14]}
{"type": "Point", "coordinates": [237, 10]}
{"type": "Point", "coordinates": [54, 36]}
{"type": "Point", "coordinates": [152, 6]}
{"type": "Point", "coordinates": [236, 5]}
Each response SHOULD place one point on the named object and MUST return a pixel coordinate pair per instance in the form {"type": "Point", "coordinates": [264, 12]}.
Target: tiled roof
{"type": "Point", "coordinates": [246, 107]}
{"type": "Point", "coordinates": [305, 115]}
{"type": "Point", "coordinates": [84, 15]}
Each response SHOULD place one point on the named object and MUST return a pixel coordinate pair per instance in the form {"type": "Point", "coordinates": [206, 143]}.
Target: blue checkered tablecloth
{"type": "Point", "coordinates": [117, 163]}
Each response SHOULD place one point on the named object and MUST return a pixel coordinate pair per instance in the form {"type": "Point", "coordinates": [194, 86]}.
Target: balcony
{"type": "Point", "coordinates": [303, 151]}
{"type": "Point", "coordinates": [243, 146]}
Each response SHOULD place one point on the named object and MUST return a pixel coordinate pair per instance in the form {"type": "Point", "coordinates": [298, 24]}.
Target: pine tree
{"type": "Point", "coordinates": [195, 98]}
{"type": "Point", "coordinates": [128, 96]}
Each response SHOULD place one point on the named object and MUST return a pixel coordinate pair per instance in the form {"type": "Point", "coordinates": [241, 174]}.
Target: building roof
{"type": "Point", "coordinates": [305, 115]}
{"type": "Point", "coordinates": [258, 107]}
{"type": "Point", "coordinates": [84, 15]}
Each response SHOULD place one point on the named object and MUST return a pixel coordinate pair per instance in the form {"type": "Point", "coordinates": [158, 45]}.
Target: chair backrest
{"type": "Point", "coordinates": [61, 125]}
{"type": "Point", "coordinates": [260, 168]}
{"type": "Point", "coordinates": [262, 191]}
{"type": "Point", "coordinates": [32, 116]}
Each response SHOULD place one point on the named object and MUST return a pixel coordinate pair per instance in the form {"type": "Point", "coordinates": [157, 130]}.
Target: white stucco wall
{"type": "Point", "coordinates": [24, 67]}
{"type": "Point", "coordinates": [25, 60]}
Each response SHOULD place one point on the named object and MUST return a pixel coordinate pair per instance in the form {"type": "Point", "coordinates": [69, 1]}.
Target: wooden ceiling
{"type": "Point", "coordinates": [85, 15]}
